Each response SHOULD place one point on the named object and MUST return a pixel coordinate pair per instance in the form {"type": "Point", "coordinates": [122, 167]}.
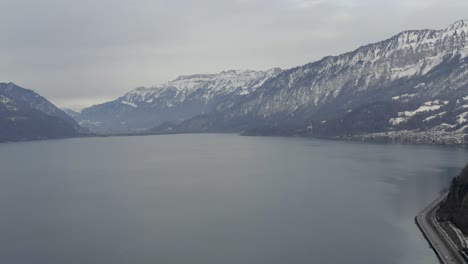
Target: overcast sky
{"type": "Point", "coordinates": [89, 51]}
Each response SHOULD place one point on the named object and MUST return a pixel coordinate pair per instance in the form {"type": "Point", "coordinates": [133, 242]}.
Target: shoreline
{"type": "Point", "coordinates": [442, 245]}
{"type": "Point", "coordinates": [427, 239]}
{"type": "Point", "coordinates": [382, 138]}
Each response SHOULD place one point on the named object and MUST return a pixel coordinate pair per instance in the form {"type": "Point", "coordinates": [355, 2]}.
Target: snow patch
{"type": "Point", "coordinates": [4, 99]}
{"type": "Point", "coordinates": [419, 85]}
{"type": "Point", "coordinates": [89, 122]}
{"type": "Point", "coordinates": [463, 99]}
{"type": "Point", "coordinates": [462, 129]}
{"type": "Point", "coordinates": [397, 120]}
{"type": "Point", "coordinates": [129, 103]}
{"type": "Point", "coordinates": [405, 71]}
{"type": "Point", "coordinates": [434, 117]}
{"type": "Point", "coordinates": [426, 107]}
{"type": "Point", "coordinates": [461, 118]}
{"type": "Point", "coordinates": [9, 104]}
{"type": "Point", "coordinates": [421, 109]}
{"type": "Point", "coordinates": [403, 96]}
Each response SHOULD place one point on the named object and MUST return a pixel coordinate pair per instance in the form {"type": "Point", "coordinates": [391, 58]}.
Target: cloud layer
{"type": "Point", "coordinates": [84, 52]}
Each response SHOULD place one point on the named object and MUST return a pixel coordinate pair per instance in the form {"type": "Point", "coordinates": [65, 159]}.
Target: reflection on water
{"type": "Point", "coordinates": [217, 199]}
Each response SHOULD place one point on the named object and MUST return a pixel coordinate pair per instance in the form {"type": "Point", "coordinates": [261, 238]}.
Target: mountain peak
{"type": "Point", "coordinates": [459, 25]}
{"type": "Point", "coordinates": [192, 76]}
{"type": "Point", "coordinates": [275, 70]}
{"type": "Point", "coordinates": [140, 89]}
{"type": "Point", "coordinates": [10, 86]}
{"type": "Point", "coordinates": [6, 85]}
{"type": "Point", "coordinates": [235, 72]}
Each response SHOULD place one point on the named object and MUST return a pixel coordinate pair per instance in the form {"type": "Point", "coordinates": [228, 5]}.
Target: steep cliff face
{"type": "Point", "coordinates": [455, 207]}
{"type": "Point", "coordinates": [25, 115]}
{"type": "Point", "coordinates": [178, 100]}
{"type": "Point", "coordinates": [416, 80]}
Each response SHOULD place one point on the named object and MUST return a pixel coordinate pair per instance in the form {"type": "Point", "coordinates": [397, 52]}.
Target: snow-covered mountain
{"type": "Point", "coordinates": [416, 80]}
{"type": "Point", "coordinates": [25, 115]}
{"type": "Point", "coordinates": [175, 101]}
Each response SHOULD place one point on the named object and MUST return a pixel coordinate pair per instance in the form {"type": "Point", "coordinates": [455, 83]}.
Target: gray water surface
{"type": "Point", "coordinates": [217, 199]}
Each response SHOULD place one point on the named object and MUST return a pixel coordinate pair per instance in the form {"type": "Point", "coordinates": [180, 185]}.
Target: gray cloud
{"type": "Point", "coordinates": [89, 51]}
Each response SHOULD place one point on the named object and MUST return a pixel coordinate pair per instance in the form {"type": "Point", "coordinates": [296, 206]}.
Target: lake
{"type": "Point", "coordinates": [218, 198]}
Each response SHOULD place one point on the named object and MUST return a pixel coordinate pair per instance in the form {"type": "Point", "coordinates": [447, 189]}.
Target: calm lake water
{"type": "Point", "coordinates": [221, 199]}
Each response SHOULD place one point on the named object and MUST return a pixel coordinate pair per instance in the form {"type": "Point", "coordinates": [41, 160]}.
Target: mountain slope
{"type": "Point", "coordinates": [455, 207]}
{"type": "Point", "coordinates": [416, 80]}
{"type": "Point", "coordinates": [25, 115]}
{"type": "Point", "coordinates": [180, 99]}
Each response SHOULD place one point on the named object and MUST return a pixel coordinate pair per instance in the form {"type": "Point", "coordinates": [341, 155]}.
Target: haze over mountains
{"type": "Point", "coordinates": [176, 101]}
{"type": "Point", "coordinates": [414, 80]}
{"type": "Point", "coordinates": [414, 83]}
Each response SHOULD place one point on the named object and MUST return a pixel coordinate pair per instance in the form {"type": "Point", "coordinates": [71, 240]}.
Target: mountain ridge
{"type": "Point", "coordinates": [391, 71]}
{"type": "Point", "coordinates": [414, 81]}
{"type": "Point", "coordinates": [25, 115]}
{"type": "Point", "coordinates": [176, 100]}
